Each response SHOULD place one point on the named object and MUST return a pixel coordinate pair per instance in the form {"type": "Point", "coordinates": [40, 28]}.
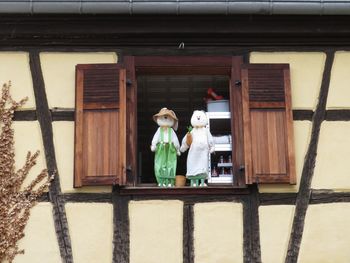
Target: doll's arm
{"type": "Point", "coordinates": [184, 145]}
{"type": "Point", "coordinates": [175, 142]}
{"type": "Point", "coordinates": [155, 140]}
{"type": "Point", "coordinates": [211, 143]}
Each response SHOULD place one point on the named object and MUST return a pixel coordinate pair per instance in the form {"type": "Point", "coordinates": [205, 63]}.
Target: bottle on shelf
{"type": "Point", "coordinates": [214, 172]}
{"type": "Point", "coordinates": [231, 171]}
{"type": "Point", "coordinates": [222, 171]}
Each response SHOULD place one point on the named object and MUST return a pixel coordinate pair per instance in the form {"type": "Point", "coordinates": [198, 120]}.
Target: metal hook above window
{"type": "Point", "coordinates": [182, 45]}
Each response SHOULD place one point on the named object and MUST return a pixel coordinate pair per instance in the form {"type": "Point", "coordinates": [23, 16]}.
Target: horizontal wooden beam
{"type": "Point", "coordinates": [68, 115]}
{"type": "Point", "coordinates": [302, 115]}
{"type": "Point", "coordinates": [62, 115]}
{"type": "Point", "coordinates": [337, 115]}
{"type": "Point", "coordinates": [277, 198]}
{"type": "Point", "coordinates": [317, 197]}
{"type": "Point", "coordinates": [329, 196]}
{"type": "Point", "coordinates": [25, 115]}
{"type": "Point", "coordinates": [87, 197]}
{"type": "Point", "coordinates": [182, 191]}
{"type": "Point", "coordinates": [123, 30]}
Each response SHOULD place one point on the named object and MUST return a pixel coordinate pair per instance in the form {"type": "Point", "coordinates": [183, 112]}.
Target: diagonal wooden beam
{"type": "Point", "coordinates": [304, 194]}
{"type": "Point", "coordinates": [45, 121]}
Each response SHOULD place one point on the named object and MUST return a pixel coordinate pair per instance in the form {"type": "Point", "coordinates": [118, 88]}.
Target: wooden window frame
{"type": "Point", "coordinates": [185, 65]}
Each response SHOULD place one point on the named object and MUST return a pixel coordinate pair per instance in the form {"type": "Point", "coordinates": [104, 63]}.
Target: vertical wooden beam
{"type": "Point", "coordinates": [188, 229]}
{"type": "Point", "coordinates": [121, 236]}
{"type": "Point", "coordinates": [45, 121]}
{"type": "Point", "coordinates": [251, 229]}
{"type": "Point", "coordinates": [303, 197]}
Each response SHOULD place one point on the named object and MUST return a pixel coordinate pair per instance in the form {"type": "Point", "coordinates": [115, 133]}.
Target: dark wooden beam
{"type": "Point", "coordinates": [62, 114]}
{"type": "Point", "coordinates": [140, 31]}
{"type": "Point", "coordinates": [188, 230]}
{"type": "Point", "coordinates": [121, 234]}
{"type": "Point", "coordinates": [337, 115]}
{"type": "Point", "coordinates": [183, 191]}
{"type": "Point", "coordinates": [317, 197]}
{"type": "Point", "coordinates": [304, 193]}
{"type": "Point", "coordinates": [68, 115]}
{"type": "Point", "coordinates": [44, 118]}
{"type": "Point", "coordinates": [87, 197]}
{"type": "Point", "coordinates": [25, 115]}
{"type": "Point", "coordinates": [251, 229]}
{"type": "Point", "coordinates": [172, 51]}
{"type": "Point", "coordinates": [302, 115]}
{"type": "Point", "coordinates": [329, 196]}
{"type": "Point", "coordinates": [44, 198]}
{"type": "Point", "coordinates": [277, 198]}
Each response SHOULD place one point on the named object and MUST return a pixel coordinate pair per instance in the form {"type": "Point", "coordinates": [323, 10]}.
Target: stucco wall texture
{"type": "Point", "coordinates": [156, 226]}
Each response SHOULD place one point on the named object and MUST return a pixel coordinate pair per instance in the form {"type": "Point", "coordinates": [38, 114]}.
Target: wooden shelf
{"type": "Point", "coordinates": [224, 164]}
{"type": "Point", "coordinates": [221, 180]}
{"type": "Point", "coordinates": [225, 147]}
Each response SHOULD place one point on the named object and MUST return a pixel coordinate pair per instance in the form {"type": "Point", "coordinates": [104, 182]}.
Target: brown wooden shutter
{"type": "Point", "coordinates": [100, 125]}
{"type": "Point", "coordinates": [268, 124]}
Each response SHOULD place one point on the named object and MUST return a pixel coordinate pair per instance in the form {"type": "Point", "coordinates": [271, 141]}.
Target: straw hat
{"type": "Point", "coordinates": [166, 112]}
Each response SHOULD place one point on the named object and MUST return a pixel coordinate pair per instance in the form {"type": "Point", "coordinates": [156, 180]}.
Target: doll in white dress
{"type": "Point", "coordinates": [198, 155]}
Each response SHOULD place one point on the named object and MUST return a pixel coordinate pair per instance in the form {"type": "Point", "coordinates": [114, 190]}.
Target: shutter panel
{"type": "Point", "coordinates": [268, 124]}
{"type": "Point", "coordinates": [100, 125]}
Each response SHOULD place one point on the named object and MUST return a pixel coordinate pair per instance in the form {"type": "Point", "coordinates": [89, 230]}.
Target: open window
{"type": "Point", "coordinates": [258, 120]}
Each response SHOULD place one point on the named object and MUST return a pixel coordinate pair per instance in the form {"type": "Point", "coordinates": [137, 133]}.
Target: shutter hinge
{"type": "Point", "coordinates": [128, 82]}
{"type": "Point", "coordinates": [238, 83]}
{"type": "Point", "coordinates": [128, 173]}
{"type": "Point", "coordinates": [241, 168]}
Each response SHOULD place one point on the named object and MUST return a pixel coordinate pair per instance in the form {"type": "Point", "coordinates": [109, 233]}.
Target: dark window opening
{"type": "Point", "coordinates": [181, 93]}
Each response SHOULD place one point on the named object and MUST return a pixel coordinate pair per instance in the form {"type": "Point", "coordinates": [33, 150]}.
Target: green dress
{"type": "Point", "coordinates": [165, 161]}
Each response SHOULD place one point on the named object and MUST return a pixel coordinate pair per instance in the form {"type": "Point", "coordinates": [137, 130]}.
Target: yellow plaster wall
{"type": "Point", "coordinates": [302, 134]}
{"type": "Point", "coordinates": [14, 66]}
{"type": "Point", "coordinates": [339, 87]}
{"type": "Point", "coordinates": [40, 242]}
{"type": "Point", "coordinates": [306, 74]}
{"type": "Point", "coordinates": [156, 231]}
{"type": "Point", "coordinates": [59, 74]}
{"type": "Point", "coordinates": [218, 232]}
{"type": "Point", "coordinates": [332, 168]}
{"type": "Point", "coordinates": [27, 136]}
{"type": "Point", "coordinates": [275, 226]}
{"type": "Point", "coordinates": [326, 236]}
{"type": "Point", "coordinates": [63, 136]}
{"type": "Point", "coordinates": [91, 231]}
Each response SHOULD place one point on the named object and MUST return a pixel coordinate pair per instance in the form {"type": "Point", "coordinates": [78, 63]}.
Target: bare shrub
{"type": "Point", "coordinates": [16, 200]}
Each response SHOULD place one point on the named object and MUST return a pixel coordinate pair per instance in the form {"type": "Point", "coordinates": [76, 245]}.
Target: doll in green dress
{"type": "Point", "coordinates": [166, 146]}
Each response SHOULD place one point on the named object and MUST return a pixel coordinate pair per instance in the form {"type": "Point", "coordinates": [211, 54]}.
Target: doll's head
{"type": "Point", "coordinates": [199, 119]}
{"type": "Point", "coordinates": [166, 118]}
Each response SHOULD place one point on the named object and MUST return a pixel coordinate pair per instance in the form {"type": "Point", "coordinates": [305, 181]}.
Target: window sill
{"type": "Point", "coordinates": [187, 190]}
